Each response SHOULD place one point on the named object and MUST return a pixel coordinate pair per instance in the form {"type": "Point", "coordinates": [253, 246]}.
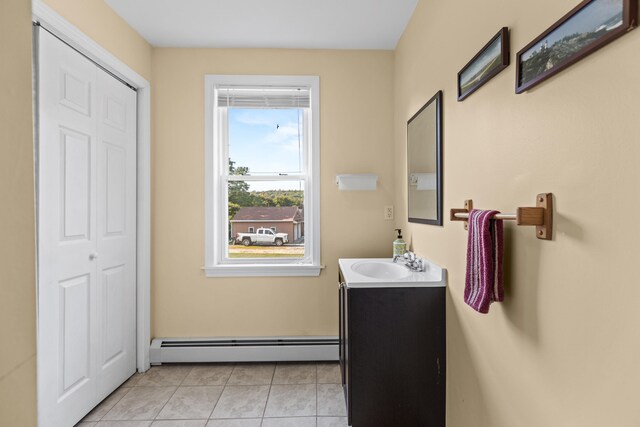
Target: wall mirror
{"type": "Point", "coordinates": [424, 163]}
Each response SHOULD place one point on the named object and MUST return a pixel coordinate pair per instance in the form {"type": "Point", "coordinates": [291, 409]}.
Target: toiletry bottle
{"type": "Point", "coordinates": [399, 245]}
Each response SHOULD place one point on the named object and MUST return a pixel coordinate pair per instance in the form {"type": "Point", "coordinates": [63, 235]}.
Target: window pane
{"type": "Point", "coordinates": [265, 141]}
{"type": "Point", "coordinates": [266, 219]}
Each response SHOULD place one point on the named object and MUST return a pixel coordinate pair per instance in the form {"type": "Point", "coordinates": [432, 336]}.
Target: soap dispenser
{"type": "Point", "coordinates": [399, 245]}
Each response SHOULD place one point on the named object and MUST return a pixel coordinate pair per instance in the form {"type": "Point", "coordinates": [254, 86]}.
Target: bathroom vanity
{"type": "Point", "coordinates": [392, 343]}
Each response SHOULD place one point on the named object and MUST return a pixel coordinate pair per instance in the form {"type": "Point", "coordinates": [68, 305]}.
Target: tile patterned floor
{"type": "Point", "coordinates": [226, 395]}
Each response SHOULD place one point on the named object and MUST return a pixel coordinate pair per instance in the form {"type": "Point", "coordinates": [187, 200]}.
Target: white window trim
{"type": "Point", "coordinates": [215, 213]}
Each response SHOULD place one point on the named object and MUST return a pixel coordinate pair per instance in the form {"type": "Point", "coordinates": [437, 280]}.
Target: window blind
{"type": "Point", "coordinates": [263, 97]}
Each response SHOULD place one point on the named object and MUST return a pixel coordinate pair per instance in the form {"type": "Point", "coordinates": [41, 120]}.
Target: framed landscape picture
{"type": "Point", "coordinates": [492, 58]}
{"type": "Point", "coordinates": [589, 26]}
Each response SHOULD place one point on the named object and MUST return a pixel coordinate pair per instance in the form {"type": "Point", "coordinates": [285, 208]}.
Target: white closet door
{"type": "Point", "coordinates": [116, 232]}
{"type": "Point", "coordinates": [86, 233]}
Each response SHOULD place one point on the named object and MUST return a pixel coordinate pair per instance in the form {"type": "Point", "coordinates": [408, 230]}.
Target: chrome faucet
{"type": "Point", "coordinates": [411, 261]}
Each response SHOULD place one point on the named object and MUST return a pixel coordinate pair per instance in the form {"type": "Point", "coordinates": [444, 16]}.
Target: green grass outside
{"type": "Point", "coordinates": [259, 251]}
{"type": "Point", "coordinates": [263, 255]}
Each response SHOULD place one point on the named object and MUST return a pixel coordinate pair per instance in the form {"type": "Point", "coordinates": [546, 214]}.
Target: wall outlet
{"type": "Point", "coordinates": [388, 212]}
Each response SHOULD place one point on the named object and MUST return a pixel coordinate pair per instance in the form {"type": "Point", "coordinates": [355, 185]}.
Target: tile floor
{"type": "Point", "coordinates": [226, 395]}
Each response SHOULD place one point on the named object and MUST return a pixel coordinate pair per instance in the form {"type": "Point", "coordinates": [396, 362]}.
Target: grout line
{"type": "Point", "coordinates": [165, 403]}
{"type": "Point", "coordinates": [264, 411]}
{"type": "Point", "coordinates": [233, 367]}
{"type": "Point", "coordinates": [224, 387]}
{"type": "Point", "coordinates": [316, 394]}
{"type": "Point", "coordinates": [185, 377]}
{"type": "Point", "coordinates": [114, 405]}
{"type": "Point", "coordinates": [216, 404]}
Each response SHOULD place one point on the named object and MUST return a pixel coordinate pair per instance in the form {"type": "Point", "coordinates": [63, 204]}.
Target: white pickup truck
{"type": "Point", "coordinates": [262, 235]}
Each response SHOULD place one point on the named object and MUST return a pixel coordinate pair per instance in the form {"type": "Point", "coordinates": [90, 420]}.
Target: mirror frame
{"type": "Point", "coordinates": [437, 98]}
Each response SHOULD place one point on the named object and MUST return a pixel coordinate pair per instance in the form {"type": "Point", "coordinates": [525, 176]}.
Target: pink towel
{"type": "Point", "coordinates": [483, 284]}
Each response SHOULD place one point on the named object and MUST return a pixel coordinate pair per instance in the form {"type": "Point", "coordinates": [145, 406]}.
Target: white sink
{"type": "Point", "coordinates": [383, 272]}
{"type": "Point", "coordinates": [377, 269]}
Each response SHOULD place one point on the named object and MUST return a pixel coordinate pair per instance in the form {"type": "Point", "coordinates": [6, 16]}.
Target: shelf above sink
{"type": "Point", "coordinates": [383, 272]}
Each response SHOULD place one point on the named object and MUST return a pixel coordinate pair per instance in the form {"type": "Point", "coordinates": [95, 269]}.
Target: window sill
{"type": "Point", "coordinates": [263, 270]}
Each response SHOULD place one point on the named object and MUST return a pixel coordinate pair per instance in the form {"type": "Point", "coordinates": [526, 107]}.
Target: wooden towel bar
{"type": "Point", "coordinates": [541, 216]}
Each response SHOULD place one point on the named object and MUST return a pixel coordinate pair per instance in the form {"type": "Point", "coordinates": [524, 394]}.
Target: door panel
{"type": "Point", "coordinates": [114, 282]}
{"type": "Point", "coordinates": [75, 356]}
{"type": "Point", "coordinates": [115, 112]}
{"type": "Point", "coordinates": [75, 202]}
{"type": "Point", "coordinates": [116, 244]}
{"type": "Point", "coordinates": [86, 288]}
{"type": "Point", "coordinates": [75, 91]}
{"type": "Point", "coordinates": [66, 237]}
{"type": "Point", "coordinates": [115, 179]}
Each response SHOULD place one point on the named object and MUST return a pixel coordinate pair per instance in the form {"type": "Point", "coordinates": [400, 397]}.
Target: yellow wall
{"type": "Point", "coordinates": [17, 226]}
{"type": "Point", "coordinates": [562, 350]}
{"type": "Point", "coordinates": [98, 21]}
{"type": "Point", "coordinates": [356, 136]}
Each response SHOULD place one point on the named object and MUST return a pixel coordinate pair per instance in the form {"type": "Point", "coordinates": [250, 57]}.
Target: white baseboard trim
{"type": "Point", "coordinates": [262, 349]}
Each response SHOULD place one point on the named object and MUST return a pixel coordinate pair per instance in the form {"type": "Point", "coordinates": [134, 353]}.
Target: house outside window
{"type": "Point", "coordinates": [262, 176]}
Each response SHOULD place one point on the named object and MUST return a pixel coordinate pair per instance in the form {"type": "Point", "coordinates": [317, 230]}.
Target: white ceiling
{"type": "Point", "coordinates": [303, 24]}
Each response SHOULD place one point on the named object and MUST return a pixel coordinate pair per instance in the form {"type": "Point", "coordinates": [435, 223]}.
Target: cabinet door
{"type": "Point", "coordinates": [346, 328]}
{"type": "Point", "coordinates": [341, 331]}
{"type": "Point", "coordinates": [396, 356]}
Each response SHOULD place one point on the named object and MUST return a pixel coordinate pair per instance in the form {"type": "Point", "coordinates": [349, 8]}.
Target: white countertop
{"type": "Point", "coordinates": [434, 276]}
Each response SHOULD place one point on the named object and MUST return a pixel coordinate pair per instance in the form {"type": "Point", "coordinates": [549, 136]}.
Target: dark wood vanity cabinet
{"type": "Point", "coordinates": [393, 355]}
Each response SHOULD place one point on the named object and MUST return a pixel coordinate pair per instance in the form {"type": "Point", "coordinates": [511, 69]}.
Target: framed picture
{"type": "Point", "coordinates": [589, 26]}
{"type": "Point", "coordinates": [492, 58]}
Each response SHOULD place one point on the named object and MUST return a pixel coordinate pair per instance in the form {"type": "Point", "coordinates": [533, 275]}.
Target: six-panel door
{"type": "Point", "coordinates": [86, 233]}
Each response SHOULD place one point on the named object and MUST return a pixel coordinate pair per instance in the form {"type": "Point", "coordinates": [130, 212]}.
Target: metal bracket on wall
{"type": "Point", "coordinates": [541, 216]}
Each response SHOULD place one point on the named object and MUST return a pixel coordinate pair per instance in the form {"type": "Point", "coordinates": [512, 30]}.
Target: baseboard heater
{"type": "Point", "coordinates": [272, 349]}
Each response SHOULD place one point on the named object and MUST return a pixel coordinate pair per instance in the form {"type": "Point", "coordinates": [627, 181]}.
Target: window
{"type": "Point", "coordinates": [262, 175]}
